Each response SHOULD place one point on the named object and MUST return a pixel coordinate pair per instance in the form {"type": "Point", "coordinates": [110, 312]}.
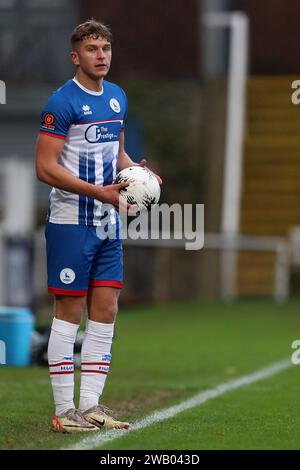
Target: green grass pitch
{"type": "Point", "coordinates": [165, 354]}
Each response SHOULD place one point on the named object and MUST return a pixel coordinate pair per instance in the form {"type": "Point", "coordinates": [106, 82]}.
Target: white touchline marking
{"type": "Point", "coordinates": [99, 438]}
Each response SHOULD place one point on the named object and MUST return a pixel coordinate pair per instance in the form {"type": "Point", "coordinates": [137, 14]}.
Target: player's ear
{"type": "Point", "coordinates": [74, 57]}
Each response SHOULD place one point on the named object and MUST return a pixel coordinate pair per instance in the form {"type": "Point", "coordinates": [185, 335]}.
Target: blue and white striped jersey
{"type": "Point", "coordinates": [90, 123]}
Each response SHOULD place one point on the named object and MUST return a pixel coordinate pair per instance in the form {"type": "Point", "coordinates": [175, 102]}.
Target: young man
{"type": "Point", "coordinates": [79, 151]}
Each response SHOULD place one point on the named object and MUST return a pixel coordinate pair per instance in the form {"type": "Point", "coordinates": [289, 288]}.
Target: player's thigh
{"type": "Point", "coordinates": [102, 303]}
{"type": "Point", "coordinates": [69, 259]}
{"type": "Point", "coordinates": [107, 266]}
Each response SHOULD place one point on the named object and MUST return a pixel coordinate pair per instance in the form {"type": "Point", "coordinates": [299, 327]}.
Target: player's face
{"type": "Point", "coordinates": [93, 56]}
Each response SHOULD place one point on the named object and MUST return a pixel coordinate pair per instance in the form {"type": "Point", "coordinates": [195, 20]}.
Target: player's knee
{"type": "Point", "coordinates": [70, 308]}
{"type": "Point", "coordinates": [109, 313]}
{"type": "Point", "coordinates": [104, 313]}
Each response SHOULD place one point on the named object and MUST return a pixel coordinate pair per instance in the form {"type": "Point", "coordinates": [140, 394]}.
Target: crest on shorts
{"type": "Point", "coordinates": [67, 276]}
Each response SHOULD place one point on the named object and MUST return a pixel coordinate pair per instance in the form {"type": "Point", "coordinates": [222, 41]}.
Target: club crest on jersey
{"type": "Point", "coordinates": [67, 276]}
{"type": "Point", "coordinates": [86, 109]}
{"type": "Point", "coordinates": [115, 105]}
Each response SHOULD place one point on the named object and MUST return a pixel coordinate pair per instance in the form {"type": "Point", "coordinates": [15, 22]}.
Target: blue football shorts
{"type": "Point", "coordinates": [78, 258]}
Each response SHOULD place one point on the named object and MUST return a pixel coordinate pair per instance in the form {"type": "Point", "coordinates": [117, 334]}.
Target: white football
{"type": "Point", "coordinates": [143, 189]}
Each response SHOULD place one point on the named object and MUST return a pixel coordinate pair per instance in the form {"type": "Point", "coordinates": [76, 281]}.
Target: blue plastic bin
{"type": "Point", "coordinates": [16, 328]}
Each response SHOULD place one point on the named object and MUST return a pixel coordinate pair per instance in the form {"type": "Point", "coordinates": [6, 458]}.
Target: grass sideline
{"type": "Point", "coordinates": [165, 354]}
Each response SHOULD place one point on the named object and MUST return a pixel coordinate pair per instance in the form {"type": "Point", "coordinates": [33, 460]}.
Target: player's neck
{"type": "Point", "coordinates": [89, 83]}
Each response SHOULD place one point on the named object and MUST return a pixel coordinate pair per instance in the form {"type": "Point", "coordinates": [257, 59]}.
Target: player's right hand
{"type": "Point", "coordinates": [111, 195]}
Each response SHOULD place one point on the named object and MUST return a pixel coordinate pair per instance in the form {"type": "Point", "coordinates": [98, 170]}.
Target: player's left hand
{"type": "Point", "coordinates": [144, 163]}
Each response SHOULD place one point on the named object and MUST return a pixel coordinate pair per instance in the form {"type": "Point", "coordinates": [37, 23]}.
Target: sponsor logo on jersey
{"type": "Point", "coordinates": [115, 105]}
{"type": "Point", "coordinates": [103, 132]}
{"type": "Point", "coordinates": [86, 109]}
{"type": "Point", "coordinates": [67, 276]}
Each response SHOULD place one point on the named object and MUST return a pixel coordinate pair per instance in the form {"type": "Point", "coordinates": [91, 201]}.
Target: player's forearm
{"type": "Point", "coordinates": [124, 161]}
{"type": "Point", "coordinates": [57, 176]}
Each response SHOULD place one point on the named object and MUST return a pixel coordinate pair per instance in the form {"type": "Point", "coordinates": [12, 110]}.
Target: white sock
{"type": "Point", "coordinates": [61, 364]}
{"type": "Point", "coordinates": [95, 360]}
